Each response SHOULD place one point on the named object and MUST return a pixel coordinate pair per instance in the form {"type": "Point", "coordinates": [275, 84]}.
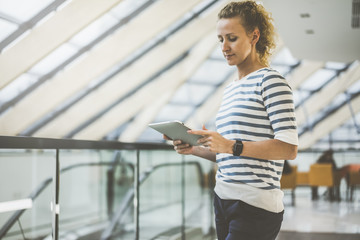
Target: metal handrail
{"type": "Point", "coordinates": [14, 142]}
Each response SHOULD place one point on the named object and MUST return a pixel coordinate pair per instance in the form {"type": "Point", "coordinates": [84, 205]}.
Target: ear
{"type": "Point", "coordinates": [255, 36]}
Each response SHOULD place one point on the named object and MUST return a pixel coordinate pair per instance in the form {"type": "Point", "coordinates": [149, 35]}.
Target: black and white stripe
{"type": "Point", "coordinates": [255, 108]}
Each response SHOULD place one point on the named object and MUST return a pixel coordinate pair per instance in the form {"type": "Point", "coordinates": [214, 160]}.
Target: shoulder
{"type": "Point", "coordinates": [270, 74]}
{"type": "Point", "coordinates": [272, 78]}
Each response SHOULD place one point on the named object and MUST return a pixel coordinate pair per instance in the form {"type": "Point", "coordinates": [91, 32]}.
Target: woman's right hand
{"type": "Point", "coordinates": [180, 147]}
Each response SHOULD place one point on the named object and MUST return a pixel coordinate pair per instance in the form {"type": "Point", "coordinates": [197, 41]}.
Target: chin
{"type": "Point", "coordinates": [230, 63]}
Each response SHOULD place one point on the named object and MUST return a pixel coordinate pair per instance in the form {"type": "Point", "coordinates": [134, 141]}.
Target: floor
{"type": "Point", "coordinates": [308, 219]}
{"type": "Point", "coordinates": [321, 215]}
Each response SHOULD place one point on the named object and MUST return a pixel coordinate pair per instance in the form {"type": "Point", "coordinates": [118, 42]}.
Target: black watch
{"type": "Point", "coordinates": [237, 148]}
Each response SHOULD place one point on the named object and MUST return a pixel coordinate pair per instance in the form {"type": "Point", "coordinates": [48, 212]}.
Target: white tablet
{"type": "Point", "coordinates": [176, 130]}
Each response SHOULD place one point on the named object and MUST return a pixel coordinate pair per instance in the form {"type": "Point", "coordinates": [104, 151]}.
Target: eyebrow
{"type": "Point", "coordinates": [228, 34]}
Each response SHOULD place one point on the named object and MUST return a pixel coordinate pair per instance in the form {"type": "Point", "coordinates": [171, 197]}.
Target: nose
{"type": "Point", "coordinates": [225, 46]}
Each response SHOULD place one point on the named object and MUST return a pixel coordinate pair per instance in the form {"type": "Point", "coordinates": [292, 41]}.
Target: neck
{"type": "Point", "coordinates": [251, 64]}
{"type": "Point", "coordinates": [245, 70]}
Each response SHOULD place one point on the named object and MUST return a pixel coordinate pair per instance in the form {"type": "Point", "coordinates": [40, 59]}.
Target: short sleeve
{"type": "Point", "coordinates": [279, 104]}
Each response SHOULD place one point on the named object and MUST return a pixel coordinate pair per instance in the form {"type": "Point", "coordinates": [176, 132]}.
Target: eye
{"type": "Point", "coordinates": [232, 38]}
{"type": "Point", "coordinates": [220, 39]}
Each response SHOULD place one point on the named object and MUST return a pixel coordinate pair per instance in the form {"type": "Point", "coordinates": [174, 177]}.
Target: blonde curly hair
{"type": "Point", "coordinates": [254, 15]}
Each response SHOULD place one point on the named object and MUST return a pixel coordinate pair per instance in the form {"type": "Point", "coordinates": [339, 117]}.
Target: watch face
{"type": "Point", "coordinates": [237, 148]}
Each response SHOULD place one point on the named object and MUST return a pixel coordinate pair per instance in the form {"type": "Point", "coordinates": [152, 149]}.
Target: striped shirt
{"type": "Point", "coordinates": [255, 108]}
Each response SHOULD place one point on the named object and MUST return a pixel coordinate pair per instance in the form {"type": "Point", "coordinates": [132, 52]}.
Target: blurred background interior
{"type": "Point", "coordinates": [80, 80]}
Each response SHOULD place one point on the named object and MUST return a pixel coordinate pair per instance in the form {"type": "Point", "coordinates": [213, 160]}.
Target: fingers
{"type": "Point", "coordinates": [178, 145]}
{"type": "Point", "coordinates": [199, 132]}
{"type": "Point", "coordinates": [177, 142]}
{"type": "Point", "coordinates": [182, 148]}
{"type": "Point", "coordinates": [204, 141]}
{"type": "Point", "coordinates": [204, 131]}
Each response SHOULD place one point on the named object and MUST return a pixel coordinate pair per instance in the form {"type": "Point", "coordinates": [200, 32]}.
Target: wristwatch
{"type": "Point", "coordinates": [237, 148]}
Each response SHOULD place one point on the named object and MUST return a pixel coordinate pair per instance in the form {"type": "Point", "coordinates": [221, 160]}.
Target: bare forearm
{"type": "Point", "coordinates": [270, 149]}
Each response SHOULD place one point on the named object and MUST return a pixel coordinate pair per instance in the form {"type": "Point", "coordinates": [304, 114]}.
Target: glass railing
{"type": "Point", "coordinates": [100, 190]}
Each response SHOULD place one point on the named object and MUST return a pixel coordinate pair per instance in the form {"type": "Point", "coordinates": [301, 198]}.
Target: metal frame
{"type": "Point", "coordinates": [51, 74]}
{"type": "Point", "coordinates": [9, 142]}
{"type": "Point", "coordinates": [29, 24]}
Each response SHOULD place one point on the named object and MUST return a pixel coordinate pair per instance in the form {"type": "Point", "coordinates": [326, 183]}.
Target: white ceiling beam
{"type": "Point", "coordinates": [303, 72]}
{"type": "Point", "coordinates": [211, 106]}
{"type": "Point", "coordinates": [202, 114]}
{"type": "Point", "coordinates": [169, 81]}
{"type": "Point", "coordinates": [330, 123]}
{"type": "Point", "coordinates": [130, 78]}
{"type": "Point", "coordinates": [47, 36]}
{"type": "Point", "coordinates": [146, 116]}
{"type": "Point", "coordinates": [100, 59]}
{"type": "Point", "coordinates": [324, 97]}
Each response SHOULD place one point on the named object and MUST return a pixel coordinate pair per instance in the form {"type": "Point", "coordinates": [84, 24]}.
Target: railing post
{"type": "Point", "coordinates": [182, 197]}
{"type": "Point", "coordinates": [353, 115]}
{"type": "Point", "coordinates": [137, 194]}
{"type": "Point", "coordinates": [55, 203]}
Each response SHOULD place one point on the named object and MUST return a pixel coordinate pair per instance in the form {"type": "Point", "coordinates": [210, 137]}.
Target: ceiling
{"type": "Point", "coordinates": [91, 69]}
{"type": "Point", "coordinates": [324, 30]}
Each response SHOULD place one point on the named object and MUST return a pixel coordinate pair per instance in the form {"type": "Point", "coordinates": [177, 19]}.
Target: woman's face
{"type": "Point", "coordinates": [235, 42]}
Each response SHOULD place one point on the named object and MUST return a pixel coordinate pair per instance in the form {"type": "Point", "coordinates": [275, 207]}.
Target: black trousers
{"type": "Point", "coordinates": [236, 220]}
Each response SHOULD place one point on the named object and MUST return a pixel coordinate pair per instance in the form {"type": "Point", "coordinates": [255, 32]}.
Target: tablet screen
{"type": "Point", "coordinates": [176, 130]}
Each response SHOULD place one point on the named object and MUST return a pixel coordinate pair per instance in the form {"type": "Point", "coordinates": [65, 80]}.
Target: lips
{"type": "Point", "coordinates": [228, 56]}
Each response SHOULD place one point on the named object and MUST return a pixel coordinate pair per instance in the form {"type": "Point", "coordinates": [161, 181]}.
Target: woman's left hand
{"type": "Point", "coordinates": [213, 141]}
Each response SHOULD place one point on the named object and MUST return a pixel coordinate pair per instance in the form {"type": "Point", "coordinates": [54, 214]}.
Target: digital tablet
{"type": "Point", "coordinates": [176, 130]}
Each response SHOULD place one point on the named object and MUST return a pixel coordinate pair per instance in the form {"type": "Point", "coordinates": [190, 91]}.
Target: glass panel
{"type": "Point", "coordinates": [123, 185]}
{"type": "Point", "coordinates": [150, 135]}
{"type": "Point", "coordinates": [160, 194]}
{"type": "Point", "coordinates": [284, 56]}
{"type": "Point", "coordinates": [318, 79]}
{"type": "Point", "coordinates": [91, 190]}
{"type": "Point", "coordinates": [6, 28]}
{"type": "Point", "coordinates": [283, 70]}
{"type": "Point", "coordinates": [174, 112]}
{"type": "Point", "coordinates": [173, 191]}
{"type": "Point", "coordinates": [211, 72]}
{"type": "Point", "coordinates": [16, 87]}
{"type": "Point", "coordinates": [335, 65]}
{"type": "Point", "coordinates": [125, 7]}
{"type": "Point", "coordinates": [200, 179]}
{"type": "Point", "coordinates": [27, 10]}
{"type": "Point", "coordinates": [94, 30]}
{"type": "Point", "coordinates": [354, 88]}
{"type": "Point", "coordinates": [21, 174]}
{"type": "Point", "coordinates": [82, 201]}
{"type": "Point", "coordinates": [54, 59]}
{"type": "Point", "coordinates": [193, 94]}
{"type": "Point", "coordinates": [344, 137]}
{"type": "Point", "coordinates": [300, 96]}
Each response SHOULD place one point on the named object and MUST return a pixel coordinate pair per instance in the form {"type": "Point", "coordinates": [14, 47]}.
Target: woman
{"type": "Point", "coordinates": [256, 129]}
